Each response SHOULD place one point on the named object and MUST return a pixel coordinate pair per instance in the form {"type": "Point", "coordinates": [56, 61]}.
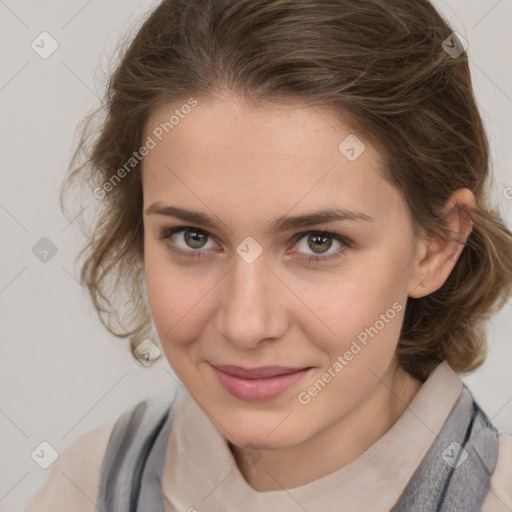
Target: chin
{"type": "Point", "coordinates": [260, 441]}
{"type": "Point", "coordinates": [269, 434]}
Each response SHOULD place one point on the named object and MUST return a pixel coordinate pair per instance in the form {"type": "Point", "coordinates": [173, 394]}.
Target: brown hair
{"type": "Point", "coordinates": [378, 63]}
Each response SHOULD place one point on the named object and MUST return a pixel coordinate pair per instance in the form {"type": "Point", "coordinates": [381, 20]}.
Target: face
{"type": "Point", "coordinates": [267, 244]}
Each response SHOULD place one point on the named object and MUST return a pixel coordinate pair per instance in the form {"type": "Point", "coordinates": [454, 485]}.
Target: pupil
{"type": "Point", "coordinates": [319, 243]}
{"type": "Point", "coordinates": [195, 239]}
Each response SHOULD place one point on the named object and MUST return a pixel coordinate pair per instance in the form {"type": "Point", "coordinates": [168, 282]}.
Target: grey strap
{"type": "Point", "coordinates": [151, 495]}
{"type": "Point", "coordinates": [455, 474]}
{"type": "Point", "coordinates": [136, 454]}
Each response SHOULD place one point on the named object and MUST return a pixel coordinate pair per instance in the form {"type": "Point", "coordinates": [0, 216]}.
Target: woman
{"type": "Point", "coordinates": [294, 192]}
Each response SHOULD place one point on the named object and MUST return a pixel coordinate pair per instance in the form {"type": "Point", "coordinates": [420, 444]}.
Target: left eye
{"type": "Point", "coordinates": [189, 238]}
{"type": "Point", "coordinates": [319, 243]}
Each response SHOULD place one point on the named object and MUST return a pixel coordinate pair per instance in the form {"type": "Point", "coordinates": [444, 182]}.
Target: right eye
{"type": "Point", "coordinates": [187, 239]}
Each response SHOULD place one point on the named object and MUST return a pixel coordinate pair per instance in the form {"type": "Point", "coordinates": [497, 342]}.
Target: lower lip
{"type": "Point", "coordinates": [256, 390]}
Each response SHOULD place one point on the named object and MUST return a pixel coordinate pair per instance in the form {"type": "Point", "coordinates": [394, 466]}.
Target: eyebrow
{"type": "Point", "coordinates": [274, 226]}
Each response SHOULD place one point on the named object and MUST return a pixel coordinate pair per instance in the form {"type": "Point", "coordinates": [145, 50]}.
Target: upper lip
{"type": "Point", "coordinates": [256, 373]}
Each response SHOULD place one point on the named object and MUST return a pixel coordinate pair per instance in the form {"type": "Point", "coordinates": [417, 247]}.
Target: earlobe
{"type": "Point", "coordinates": [440, 253]}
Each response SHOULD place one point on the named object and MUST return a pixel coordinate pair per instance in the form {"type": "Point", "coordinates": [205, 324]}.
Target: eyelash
{"type": "Point", "coordinates": [346, 243]}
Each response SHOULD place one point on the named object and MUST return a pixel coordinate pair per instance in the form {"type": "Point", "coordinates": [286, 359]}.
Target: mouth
{"type": "Point", "coordinates": [258, 384]}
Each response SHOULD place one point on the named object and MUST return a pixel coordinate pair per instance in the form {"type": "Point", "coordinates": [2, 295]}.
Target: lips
{"type": "Point", "coordinates": [257, 373]}
{"type": "Point", "coordinates": [258, 384]}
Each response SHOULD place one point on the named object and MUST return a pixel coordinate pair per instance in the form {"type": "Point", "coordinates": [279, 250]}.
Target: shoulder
{"type": "Point", "coordinates": [499, 497]}
{"type": "Point", "coordinates": [74, 477]}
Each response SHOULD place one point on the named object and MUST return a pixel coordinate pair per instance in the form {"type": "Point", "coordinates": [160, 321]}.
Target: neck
{"type": "Point", "coordinates": [336, 446]}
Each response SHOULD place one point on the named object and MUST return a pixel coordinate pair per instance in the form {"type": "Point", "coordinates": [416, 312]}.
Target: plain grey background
{"type": "Point", "coordinates": [61, 373]}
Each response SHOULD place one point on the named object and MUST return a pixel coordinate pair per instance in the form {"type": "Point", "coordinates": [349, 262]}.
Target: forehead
{"type": "Point", "coordinates": [288, 130]}
{"type": "Point", "coordinates": [266, 159]}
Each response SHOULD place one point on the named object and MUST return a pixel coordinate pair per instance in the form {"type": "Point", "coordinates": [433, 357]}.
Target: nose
{"type": "Point", "coordinates": [252, 307]}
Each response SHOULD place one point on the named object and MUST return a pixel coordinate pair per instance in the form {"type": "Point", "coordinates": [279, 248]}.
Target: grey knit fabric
{"type": "Point", "coordinates": [132, 468]}
{"type": "Point", "coordinates": [455, 474]}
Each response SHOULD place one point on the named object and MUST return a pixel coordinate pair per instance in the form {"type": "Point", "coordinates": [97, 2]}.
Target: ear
{"type": "Point", "coordinates": [436, 256]}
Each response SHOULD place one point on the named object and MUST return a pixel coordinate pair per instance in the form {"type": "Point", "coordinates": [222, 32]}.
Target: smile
{"type": "Point", "coordinates": [258, 384]}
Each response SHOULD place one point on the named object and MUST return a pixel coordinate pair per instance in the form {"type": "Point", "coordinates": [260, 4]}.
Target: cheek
{"type": "Point", "coordinates": [366, 318]}
{"type": "Point", "coordinates": [178, 300]}
{"type": "Point", "coordinates": [357, 312]}
{"type": "Point", "coordinates": [159, 290]}
{"type": "Point", "coordinates": [167, 293]}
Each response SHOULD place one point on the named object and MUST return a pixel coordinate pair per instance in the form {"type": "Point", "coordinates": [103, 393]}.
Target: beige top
{"type": "Point", "coordinates": [201, 474]}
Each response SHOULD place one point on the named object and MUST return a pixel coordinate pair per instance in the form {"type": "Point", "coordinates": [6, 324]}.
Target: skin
{"type": "Point", "coordinates": [244, 166]}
